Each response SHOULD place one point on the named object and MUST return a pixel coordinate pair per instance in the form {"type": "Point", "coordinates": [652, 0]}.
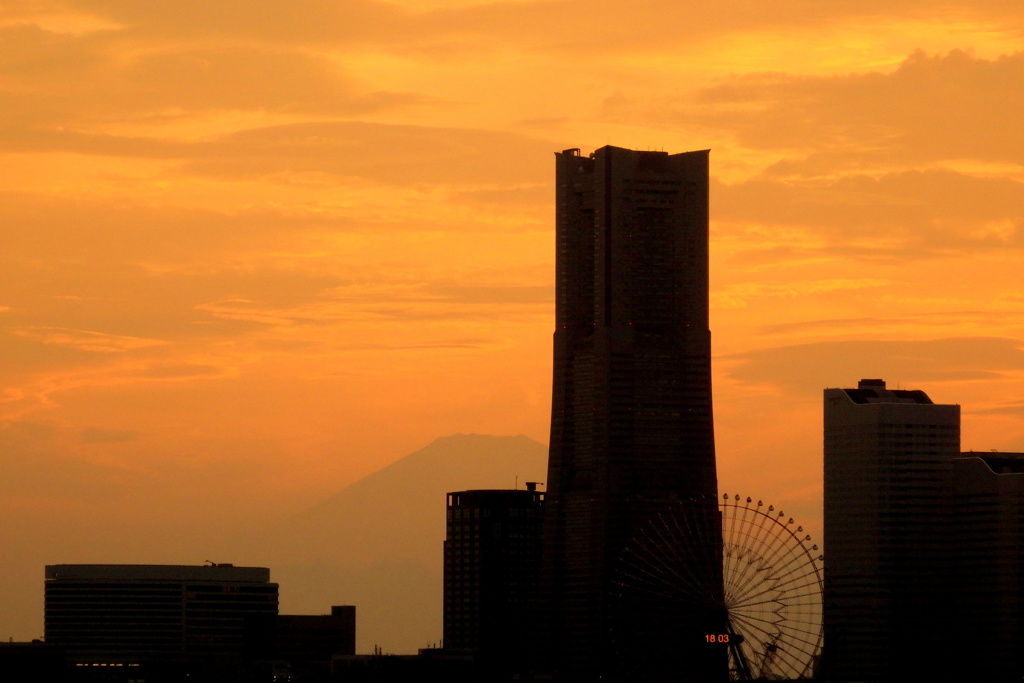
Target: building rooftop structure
{"type": "Point", "coordinates": [157, 572]}
{"type": "Point", "coordinates": [875, 391]}
{"type": "Point", "coordinates": [997, 462]}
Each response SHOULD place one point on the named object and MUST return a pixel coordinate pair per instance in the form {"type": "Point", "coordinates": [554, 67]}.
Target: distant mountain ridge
{"type": "Point", "coordinates": [464, 460]}
{"type": "Point", "coordinates": [377, 544]}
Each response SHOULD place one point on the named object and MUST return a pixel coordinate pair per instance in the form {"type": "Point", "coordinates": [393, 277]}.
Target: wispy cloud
{"type": "Point", "coordinates": [87, 340]}
{"type": "Point", "coordinates": [806, 369]}
{"type": "Point", "coordinates": [740, 295]}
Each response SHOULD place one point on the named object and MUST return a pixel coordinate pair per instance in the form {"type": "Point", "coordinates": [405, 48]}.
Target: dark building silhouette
{"type": "Point", "coordinates": [889, 537]}
{"type": "Point", "coordinates": [306, 644]}
{"type": "Point", "coordinates": [202, 621]}
{"type": "Point", "coordinates": [989, 565]}
{"type": "Point", "coordinates": [631, 425]}
{"type": "Point", "coordinates": [427, 665]}
{"type": "Point", "coordinates": [31, 661]}
{"type": "Point", "coordinates": [491, 571]}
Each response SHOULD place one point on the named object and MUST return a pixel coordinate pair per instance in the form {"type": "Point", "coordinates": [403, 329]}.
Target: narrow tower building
{"type": "Point", "coordinates": [631, 425]}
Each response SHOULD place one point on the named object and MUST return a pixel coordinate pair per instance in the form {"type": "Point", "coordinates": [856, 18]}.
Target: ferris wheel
{"type": "Point", "coordinates": [769, 618]}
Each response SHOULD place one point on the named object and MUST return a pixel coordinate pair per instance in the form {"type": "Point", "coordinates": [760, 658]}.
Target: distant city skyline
{"type": "Point", "coordinates": [253, 255]}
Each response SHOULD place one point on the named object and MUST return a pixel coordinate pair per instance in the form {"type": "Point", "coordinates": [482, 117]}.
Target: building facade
{"type": "Point", "coordinates": [187, 618]}
{"type": "Point", "coordinates": [306, 644]}
{"type": "Point", "coordinates": [989, 565]}
{"type": "Point", "coordinates": [631, 424]}
{"type": "Point", "coordinates": [888, 536]}
{"type": "Point", "coordinates": [491, 572]}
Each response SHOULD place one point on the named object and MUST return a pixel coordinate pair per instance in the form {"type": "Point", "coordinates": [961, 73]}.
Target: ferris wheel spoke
{"type": "Point", "coordinates": [777, 539]}
{"type": "Point", "coordinates": [731, 562]}
{"type": "Point", "coordinates": [655, 572]}
{"type": "Point", "coordinates": [798, 556]}
{"type": "Point", "coordinates": [731, 526]}
{"type": "Point", "coordinates": [795, 625]}
{"type": "Point", "coordinates": [790, 603]}
{"type": "Point", "coordinates": [809, 577]}
{"type": "Point", "coordinates": [759, 621]}
{"type": "Point", "coordinates": [751, 600]}
{"type": "Point", "coordinates": [753, 633]}
{"type": "Point", "coordinates": [806, 598]}
{"type": "Point", "coordinates": [761, 532]}
{"type": "Point", "coordinates": [666, 540]}
{"type": "Point", "coordinates": [807, 623]}
{"type": "Point", "coordinates": [752, 589]}
{"type": "Point", "coordinates": [769, 628]}
{"type": "Point", "coordinates": [699, 572]}
{"type": "Point", "coordinates": [793, 648]}
{"type": "Point", "coordinates": [655, 581]}
{"type": "Point", "coordinates": [795, 664]}
{"type": "Point", "coordinates": [774, 546]}
{"type": "Point", "coordinates": [785, 644]}
{"type": "Point", "coordinates": [773, 605]}
{"type": "Point", "coordinates": [662, 575]}
{"type": "Point", "coordinates": [755, 577]}
{"type": "Point", "coordinates": [752, 637]}
{"type": "Point", "coordinates": [793, 634]}
{"type": "Point", "coordinates": [777, 550]}
{"type": "Point", "coordinates": [760, 617]}
{"type": "Point", "coordinates": [685, 580]}
{"type": "Point", "coordinates": [808, 573]}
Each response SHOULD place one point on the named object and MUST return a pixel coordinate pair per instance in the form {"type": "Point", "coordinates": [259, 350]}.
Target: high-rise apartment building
{"type": "Point", "coordinates": [988, 565]}
{"type": "Point", "coordinates": [631, 425]}
{"type": "Point", "coordinates": [889, 535]}
{"type": "Point", "coordinates": [491, 571]}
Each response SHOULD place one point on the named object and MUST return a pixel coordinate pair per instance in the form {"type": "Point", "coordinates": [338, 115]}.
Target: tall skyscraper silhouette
{"type": "Point", "coordinates": [889, 535]}
{"type": "Point", "coordinates": [631, 426]}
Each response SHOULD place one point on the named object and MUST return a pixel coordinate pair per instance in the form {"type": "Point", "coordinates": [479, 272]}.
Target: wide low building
{"type": "Point", "coordinates": [186, 618]}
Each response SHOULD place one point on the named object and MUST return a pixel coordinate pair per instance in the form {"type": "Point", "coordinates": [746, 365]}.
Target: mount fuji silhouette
{"type": "Point", "coordinates": [378, 543]}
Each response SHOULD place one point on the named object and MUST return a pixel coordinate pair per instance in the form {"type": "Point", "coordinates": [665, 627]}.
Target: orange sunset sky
{"type": "Point", "coordinates": [253, 251]}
